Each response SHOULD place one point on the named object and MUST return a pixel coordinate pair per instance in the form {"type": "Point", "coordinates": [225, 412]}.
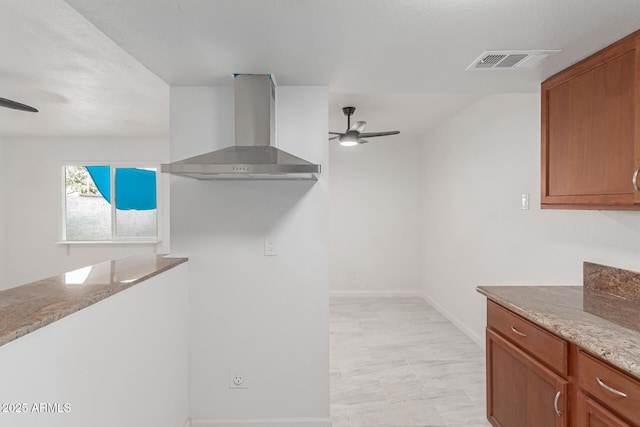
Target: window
{"type": "Point", "coordinates": [95, 212]}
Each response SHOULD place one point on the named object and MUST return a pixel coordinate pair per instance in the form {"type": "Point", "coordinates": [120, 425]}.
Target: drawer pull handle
{"type": "Point", "coordinates": [515, 331]}
{"type": "Point", "coordinates": [635, 180]}
{"type": "Point", "coordinates": [610, 389]}
{"type": "Point", "coordinates": [555, 403]}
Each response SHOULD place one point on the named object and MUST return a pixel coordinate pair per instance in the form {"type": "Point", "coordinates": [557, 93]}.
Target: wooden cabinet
{"type": "Point", "coordinates": [615, 390]}
{"type": "Point", "coordinates": [591, 131]}
{"type": "Point", "coordinates": [591, 414]}
{"type": "Point", "coordinates": [542, 345]}
{"type": "Point", "coordinates": [535, 379]}
{"type": "Point", "coordinates": [523, 390]}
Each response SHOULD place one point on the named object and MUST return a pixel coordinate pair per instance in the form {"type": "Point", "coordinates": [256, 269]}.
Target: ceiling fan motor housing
{"type": "Point", "coordinates": [348, 111]}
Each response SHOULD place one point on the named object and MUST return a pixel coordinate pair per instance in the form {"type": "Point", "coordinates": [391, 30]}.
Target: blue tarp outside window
{"type": "Point", "coordinates": [135, 188]}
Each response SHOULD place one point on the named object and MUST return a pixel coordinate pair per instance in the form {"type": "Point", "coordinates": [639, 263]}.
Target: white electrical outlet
{"type": "Point", "coordinates": [525, 201]}
{"type": "Point", "coordinates": [237, 379]}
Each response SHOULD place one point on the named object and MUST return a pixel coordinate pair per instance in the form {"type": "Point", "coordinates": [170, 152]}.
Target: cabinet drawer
{"type": "Point", "coordinates": [546, 347]}
{"type": "Point", "coordinates": [610, 387]}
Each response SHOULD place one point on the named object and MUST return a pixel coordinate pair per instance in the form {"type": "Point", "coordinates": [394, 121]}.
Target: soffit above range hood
{"type": "Point", "coordinates": [253, 157]}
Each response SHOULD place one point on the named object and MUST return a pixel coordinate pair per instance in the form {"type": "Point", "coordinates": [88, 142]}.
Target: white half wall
{"type": "Point", "coordinates": [32, 202]}
{"type": "Point", "coordinates": [265, 317]}
{"type": "Point", "coordinates": [121, 362]}
{"type": "Point", "coordinates": [476, 165]}
{"type": "Point", "coordinates": [375, 225]}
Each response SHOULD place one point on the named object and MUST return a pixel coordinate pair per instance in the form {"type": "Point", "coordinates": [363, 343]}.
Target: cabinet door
{"type": "Point", "coordinates": [520, 391]}
{"type": "Point", "coordinates": [591, 414]}
{"type": "Point", "coordinates": [589, 135]}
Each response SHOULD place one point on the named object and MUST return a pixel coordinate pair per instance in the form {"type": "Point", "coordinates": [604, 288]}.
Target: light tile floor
{"type": "Point", "coordinates": [398, 362]}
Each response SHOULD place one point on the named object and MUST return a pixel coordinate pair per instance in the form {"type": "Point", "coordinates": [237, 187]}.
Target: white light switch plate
{"type": "Point", "coordinates": [270, 248]}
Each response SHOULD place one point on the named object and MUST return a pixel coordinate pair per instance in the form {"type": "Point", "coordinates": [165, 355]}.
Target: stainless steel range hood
{"type": "Point", "coordinates": [253, 157]}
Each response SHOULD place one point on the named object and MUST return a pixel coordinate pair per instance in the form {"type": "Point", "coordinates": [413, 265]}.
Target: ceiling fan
{"type": "Point", "coordinates": [7, 103]}
{"type": "Point", "coordinates": [354, 134]}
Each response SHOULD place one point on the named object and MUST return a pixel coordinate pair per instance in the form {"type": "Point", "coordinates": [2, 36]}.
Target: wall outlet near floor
{"type": "Point", "coordinates": [237, 379]}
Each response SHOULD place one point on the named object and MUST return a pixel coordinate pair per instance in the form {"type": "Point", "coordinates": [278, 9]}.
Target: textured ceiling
{"type": "Point", "coordinates": [401, 62]}
{"type": "Point", "coordinates": [81, 82]}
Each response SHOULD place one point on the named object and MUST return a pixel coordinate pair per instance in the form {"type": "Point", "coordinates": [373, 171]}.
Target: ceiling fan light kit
{"type": "Point", "coordinates": [355, 133]}
{"type": "Point", "coordinates": [349, 139]}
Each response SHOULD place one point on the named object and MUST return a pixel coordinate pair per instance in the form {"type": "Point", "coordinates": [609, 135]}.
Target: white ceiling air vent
{"type": "Point", "coordinates": [510, 59]}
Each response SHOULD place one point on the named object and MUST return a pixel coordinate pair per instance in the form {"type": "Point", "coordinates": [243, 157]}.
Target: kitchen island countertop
{"type": "Point", "coordinates": [563, 311]}
{"type": "Point", "coordinates": [29, 307]}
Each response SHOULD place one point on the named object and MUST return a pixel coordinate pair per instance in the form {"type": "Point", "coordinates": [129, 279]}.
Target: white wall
{"type": "Point", "coordinates": [375, 225]}
{"type": "Point", "coordinates": [267, 317]}
{"type": "Point", "coordinates": [32, 203]}
{"type": "Point", "coordinates": [476, 165]}
{"type": "Point", "coordinates": [121, 362]}
{"type": "Point", "coordinates": [3, 207]}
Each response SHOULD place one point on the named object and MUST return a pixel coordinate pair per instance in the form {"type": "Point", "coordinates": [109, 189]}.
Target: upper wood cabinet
{"type": "Point", "coordinates": [591, 131]}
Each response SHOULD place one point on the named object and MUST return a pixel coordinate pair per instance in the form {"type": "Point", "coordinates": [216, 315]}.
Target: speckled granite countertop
{"type": "Point", "coordinates": [560, 309]}
{"type": "Point", "coordinates": [25, 308]}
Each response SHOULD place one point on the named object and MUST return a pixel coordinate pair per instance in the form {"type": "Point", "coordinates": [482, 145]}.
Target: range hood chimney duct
{"type": "Point", "coordinates": [253, 157]}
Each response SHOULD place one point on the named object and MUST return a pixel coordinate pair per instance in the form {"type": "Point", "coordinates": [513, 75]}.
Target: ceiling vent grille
{"type": "Point", "coordinates": [510, 59]}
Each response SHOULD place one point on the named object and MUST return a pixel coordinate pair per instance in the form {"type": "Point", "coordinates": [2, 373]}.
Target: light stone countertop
{"type": "Point", "coordinates": [560, 309]}
{"type": "Point", "coordinates": [25, 308]}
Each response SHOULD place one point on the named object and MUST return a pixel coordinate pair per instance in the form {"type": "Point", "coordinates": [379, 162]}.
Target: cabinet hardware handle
{"type": "Point", "coordinates": [635, 180]}
{"type": "Point", "coordinates": [611, 389]}
{"type": "Point", "coordinates": [555, 403]}
{"type": "Point", "coordinates": [522, 334]}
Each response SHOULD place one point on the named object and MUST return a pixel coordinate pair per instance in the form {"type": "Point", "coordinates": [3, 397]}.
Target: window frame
{"type": "Point", "coordinates": [115, 240]}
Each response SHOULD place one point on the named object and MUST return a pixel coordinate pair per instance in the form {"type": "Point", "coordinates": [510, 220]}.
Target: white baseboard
{"type": "Point", "coordinates": [453, 319]}
{"type": "Point", "coordinates": [267, 422]}
{"type": "Point", "coordinates": [377, 294]}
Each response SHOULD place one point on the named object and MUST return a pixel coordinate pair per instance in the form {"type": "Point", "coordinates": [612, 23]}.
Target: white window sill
{"type": "Point", "coordinates": [109, 242]}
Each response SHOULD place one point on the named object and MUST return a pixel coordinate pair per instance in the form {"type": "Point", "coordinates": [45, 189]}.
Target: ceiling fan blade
{"type": "Point", "coordinates": [362, 141]}
{"type": "Point", "coordinates": [374, 134]}
{"type": "Point", "coordinates": [7, 103]}
{"type": "Point", "coordinates": [335, 133]}
{"type": "Point", "coordinates": [334, 137]}
{"type": "Point", "coordinates": [358, 126]}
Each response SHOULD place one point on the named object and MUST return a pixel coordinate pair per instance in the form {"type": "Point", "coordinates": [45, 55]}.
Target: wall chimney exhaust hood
{"type": "Point", "coordinates": [253, 157]}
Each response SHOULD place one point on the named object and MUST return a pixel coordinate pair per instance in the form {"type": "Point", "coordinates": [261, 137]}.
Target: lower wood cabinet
{"type": "Point", "coordinates": [521, 391]}
{"type": "Point", "coordinates": [591, 414]}
{"type": "Point", "coordinates": [537, 379]}
{"type": "Point", "coordinates": [615, 390]}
